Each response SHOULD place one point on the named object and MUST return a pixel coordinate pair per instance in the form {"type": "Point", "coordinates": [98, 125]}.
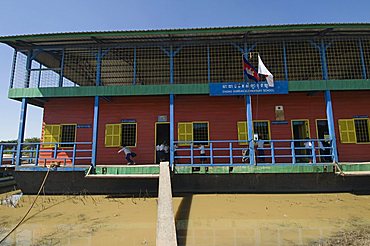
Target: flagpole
{"type": "Point", "coordinates": [248, 105]}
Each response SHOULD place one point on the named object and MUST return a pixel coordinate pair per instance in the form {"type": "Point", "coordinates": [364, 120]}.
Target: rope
{"type": "Point", "coordinates": [29, 210]}
{"type": "Point", "coordinates": [257, 107]}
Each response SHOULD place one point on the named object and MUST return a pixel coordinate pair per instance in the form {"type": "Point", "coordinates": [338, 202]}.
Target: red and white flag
{"type": "Point", "coordinates": [265, 72]}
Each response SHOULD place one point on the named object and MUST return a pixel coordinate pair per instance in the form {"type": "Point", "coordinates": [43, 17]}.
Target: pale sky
{"type": "Point", "coordinates": [48, 16]}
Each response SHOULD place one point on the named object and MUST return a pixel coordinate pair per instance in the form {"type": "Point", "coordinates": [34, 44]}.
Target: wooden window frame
{"type": "Point", "coordinates": [61, 134]}
{"type": "Point", "coordinates": [245, 141]}
{"type": "Point", "coordinates": [354, 131]}
{"type": "Point", "coordinates": [180, 136]}
{"type": "Point", "coordinates": [129, 123]}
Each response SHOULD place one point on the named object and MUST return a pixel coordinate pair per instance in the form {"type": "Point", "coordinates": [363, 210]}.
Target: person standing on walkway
{"type": "Point", "coordinates": [260, 151]}
{"type": "Point", "coordinates": [161, 151]}
{"type": "Point", "coordinates": [308, 149]}
{"type": "Point", "coordinates": [202, 153]}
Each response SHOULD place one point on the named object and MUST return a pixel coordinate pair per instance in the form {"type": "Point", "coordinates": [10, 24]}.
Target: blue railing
{"type": "Point", "coordinates": [36, 154]}
{"type": "Point", "coordinates": [240, 153]}
{"type": "Point", "coordinates": [8, 153]}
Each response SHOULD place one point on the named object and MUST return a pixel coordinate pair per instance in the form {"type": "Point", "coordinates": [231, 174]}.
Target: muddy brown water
{"type": "Point", "coordinates": [268, 219]}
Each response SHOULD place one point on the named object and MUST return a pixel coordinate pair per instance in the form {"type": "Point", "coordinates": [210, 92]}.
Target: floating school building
{"type": "Point", "coordinates": [185, 88]}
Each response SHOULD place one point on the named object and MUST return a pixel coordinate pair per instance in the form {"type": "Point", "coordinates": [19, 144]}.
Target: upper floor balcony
{"type": "Point", "coordinates": [317, 54]}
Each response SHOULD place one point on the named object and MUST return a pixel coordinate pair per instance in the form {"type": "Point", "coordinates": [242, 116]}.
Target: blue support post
{"type": "Point", "coordinates": [323, 60]}
{"type": "Point", "coordinates": [171, 66]}
{"type": "Point", "coordinates": [55, 151]}
{"type": "Point", "coordinates": [61, 75]}
{"type": "Point", "coordinates": [94, 147]}
{"type": "Point", "coordinates": [135, 68]}
{"type": "Point", "coordinates": [1, 154]}
{"type": "Point", "coordinates": [14, 153]}
{"type": "Point", "coordinates": [250, 128]}
{"type": "Point", "coordinates": [98, 67]}
{"type": "Point", "coordinates": [192, 153]}
{"type": "Point", "coordinates": [272, 153]}
{"type": "Point", "coordinates": [172, 129]}
{"type": "Point", "coordinates": [231, 153]}
{"type": "Point", "coordinates": [37, 154]}
{"type": "Point", "coordinates": [172, 118]}
{"type": "Point", "coordinates": [39, 77]}
{"type": "Point", "coordinates": [21, 129]}
{"type": "Point", "coordinates": [171, 55]}
{"type": "Point", "coordinates": [28, 69]}
{"type": "Point", "coordinates": [364, 76]}
{"type": "Point", "coordinates": [293, 152]}
{"type": "Point", "coordinates": [211, 154]}
{"type": "Point", "coordinates": [328, 102]}
{"type": "Point", "coordinates": [13, 69]}
{"type": "Point", "coordinates": [330, 117]}
{"type": "Point", "coordinates": [208, 65]}
{"type": "Point", "coordinates": [74, 155]}
{"type": "Point", "coordinates": [285, 62]}
{"type": "Point", "coordinates": [95, 131]}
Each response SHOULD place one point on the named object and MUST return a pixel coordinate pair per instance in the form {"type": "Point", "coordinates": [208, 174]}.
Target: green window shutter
{"type": "Point", "coordinates": [347, 131]}
{"type": "Point", "coordinates": [242, 132]}
{"type": "Point", "coordinates": [51, 135]}
{"type": "Point", "coordinates": [185, 132]}
{"type": "Point", "coordinates": [113, 135]}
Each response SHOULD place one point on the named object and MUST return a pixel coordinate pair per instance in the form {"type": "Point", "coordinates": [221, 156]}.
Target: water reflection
{"type": "Point", "coordinates": [234, 235]}
{"type": "Point", "coordinates": [182, 219]}
{"type": "Point", "coordinates": [199, 233]}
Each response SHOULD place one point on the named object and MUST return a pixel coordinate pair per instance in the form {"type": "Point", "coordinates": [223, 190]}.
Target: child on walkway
{"type": "Point", "coordinates": [128, 154]}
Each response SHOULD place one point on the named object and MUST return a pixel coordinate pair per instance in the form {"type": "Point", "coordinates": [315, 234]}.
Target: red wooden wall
{"type": "Point", "coordinates": [70, 111]}
{"type": "Point", "coordinates": [222, 113]}
{"type": "Point", "coordinates": [145, 110]}
{"type": "Point", "coordinates": [346, 105]}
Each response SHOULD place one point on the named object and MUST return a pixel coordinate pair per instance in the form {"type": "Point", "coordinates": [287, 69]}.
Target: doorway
{"type": "Point", "coordinates": [322, 129]}
{"type": "Point", "coordinates": [300, 130]}
{"type": "Point", "coordinates": [162, 136]}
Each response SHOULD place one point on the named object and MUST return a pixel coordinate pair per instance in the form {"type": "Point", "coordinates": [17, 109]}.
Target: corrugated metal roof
{"type": "Point", "coordinates": [73, 37]}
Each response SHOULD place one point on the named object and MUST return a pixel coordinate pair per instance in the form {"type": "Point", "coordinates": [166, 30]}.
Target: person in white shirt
{"type": "Point", "coordinates": [158, 153]}
{"type": "Point", "coordinates": [202, 153]}
{"type": "Point", "coordinates": [128, 154]}
{"type": "Point", "coordinates": [308, 147]}
{"type": "Point", "coordinates": [245, 154]}
{"type": "Point", "coordinates": [260, 151]}
{"type": "Point", "coordinates": [162, 155]}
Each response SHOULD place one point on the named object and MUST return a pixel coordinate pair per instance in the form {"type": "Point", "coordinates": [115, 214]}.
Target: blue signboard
{"type": "Point", "coordinates": [247, 88]}
{"type": "Point", "coordinates": [128, 121]}
{"type": "Point", "coordinates": [84, 126]}
{"type": "Point", "coordinates": [279, 122]}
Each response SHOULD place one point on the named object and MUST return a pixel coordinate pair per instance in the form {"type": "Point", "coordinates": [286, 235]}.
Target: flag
{"type": "Point", "coordinates": [250, 71]}
{"type": "Point", "coordinates": [265, 72]}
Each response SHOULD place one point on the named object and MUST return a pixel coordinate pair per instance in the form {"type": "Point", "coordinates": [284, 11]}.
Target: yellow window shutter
{"type": "Point", "coordinates": [351, 131]}
{"type": "Point", "coordinates": [56, 132]}
{"type": "Point", "coordinates": [189, 131]}
{"type": "Point", "coordinates": [347, 131]}
{"type": "Point", "coordinates": [113, 135]}
{"type": "Point", "coordinates": [51, 135]}
{"type": "Point", "coordinates": [185, 132]}
{"type": "Point", "coordinates": [242, 132]}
